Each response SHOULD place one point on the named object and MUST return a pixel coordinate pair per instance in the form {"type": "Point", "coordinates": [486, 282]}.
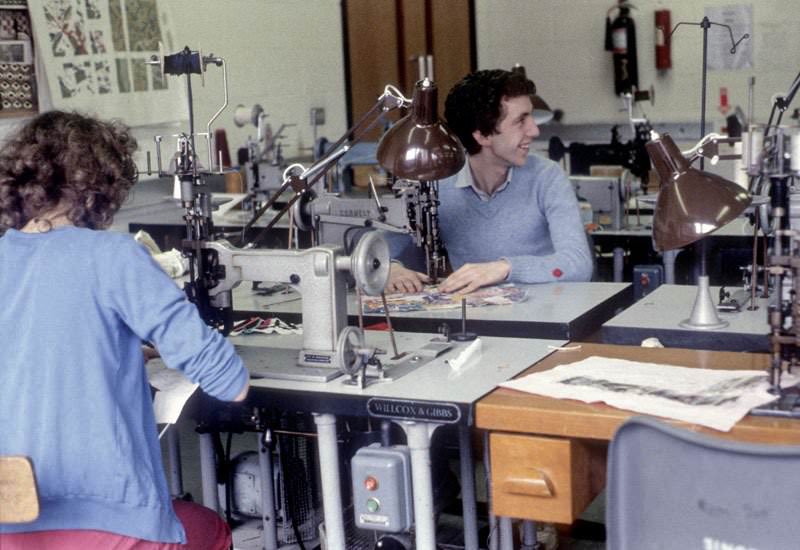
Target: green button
{"type": "Point", "coordinates": [373, 505]}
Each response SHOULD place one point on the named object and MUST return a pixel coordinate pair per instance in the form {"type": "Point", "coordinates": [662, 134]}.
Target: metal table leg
{"type": "Point", "coordinates": [208, 472]}
{"type": "Point", "coordinates": [328, 449]}
{"type": "Point", "coordinates": [175, 470]}
{"type": "Point", "coordinates": [506, 534]}
{"type": "Point", "coordinates": [269, 536]}
{"type": "Point", "coordinates": [493, 525]}
{"type": "Point", "coordinates": [619, 263]}
{"type": "Point", "coordinates": [468, 500]}
{"type": "Point", "coordinates": [419, 443]}
{"type": "Point", "coordinates": [529, 536]}
{"type": "Point", "coordinates": [669, 257]}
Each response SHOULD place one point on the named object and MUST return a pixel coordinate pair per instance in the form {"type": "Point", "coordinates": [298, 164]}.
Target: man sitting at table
{"type": "Point", "coordinates": [508, 215]}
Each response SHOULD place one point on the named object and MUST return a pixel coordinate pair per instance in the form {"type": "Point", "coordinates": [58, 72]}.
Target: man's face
{"type": "Point", "coordinates": [515, 132]}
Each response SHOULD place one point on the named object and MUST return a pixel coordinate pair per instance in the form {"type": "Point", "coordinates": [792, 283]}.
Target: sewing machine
{"type": "Point", "coordinates": [419, 149]}
{"type": "Point", "coordinates": [262, 156]}
{"type": "Point", "coordinates": [604, 196]}
{"type": "Point", "coordinates": [216, 266]}
{"type": "Point", "coordinates": [410, 209]}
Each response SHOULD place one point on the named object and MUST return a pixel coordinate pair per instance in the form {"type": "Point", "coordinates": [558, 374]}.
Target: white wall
{"type": "Point", "coordinates": [285, 55]}
{"type": "Point", "coordinates": [561, 45]}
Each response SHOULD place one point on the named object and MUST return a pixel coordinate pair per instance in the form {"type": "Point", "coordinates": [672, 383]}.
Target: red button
{"type": "Point", "coordinates": [557, 273]}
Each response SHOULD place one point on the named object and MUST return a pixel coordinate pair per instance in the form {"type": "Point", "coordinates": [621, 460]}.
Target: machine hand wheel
{"type": "Point", "coordinates": [350, 350]}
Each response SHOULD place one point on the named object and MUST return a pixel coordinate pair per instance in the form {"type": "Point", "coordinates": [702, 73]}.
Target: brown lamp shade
{"type": "Point", "coordinates": [691, 203]}
{"type": "Point", "coordinates": [542, 113]}
{"type": "Point", "coordinates": [419, 146]}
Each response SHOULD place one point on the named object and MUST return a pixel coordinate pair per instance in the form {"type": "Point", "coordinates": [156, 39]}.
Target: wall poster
{"type": "Point", "coordinates": [94, 53]}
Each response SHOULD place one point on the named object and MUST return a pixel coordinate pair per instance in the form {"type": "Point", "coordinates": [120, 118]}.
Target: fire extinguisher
{"type": "Point", "coordinates": [663, 50]}
{"type": "Point", "coordinates": [621, 41]}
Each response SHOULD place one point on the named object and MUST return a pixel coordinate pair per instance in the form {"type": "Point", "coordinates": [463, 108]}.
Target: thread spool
{"type": "Point", "coordinates": [221, 151]}
{"type": "Point", "coordinates": [183, 62]}
{"type": "Point", "coordinates": [243, 115]}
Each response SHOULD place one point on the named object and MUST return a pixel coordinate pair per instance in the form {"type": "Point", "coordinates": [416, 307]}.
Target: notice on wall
{"type": "Point", "coordinates": [721, 39]}
{"type": "Point", "coordinates": [95, 55]}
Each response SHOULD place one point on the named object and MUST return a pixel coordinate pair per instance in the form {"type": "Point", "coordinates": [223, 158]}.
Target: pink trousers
{"type": "Point", "coordinates": [205, 530]}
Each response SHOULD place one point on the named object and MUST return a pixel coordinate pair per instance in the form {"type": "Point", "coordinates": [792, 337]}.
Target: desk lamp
{"type": "Point", "coordinates": [691, 204]}
{"type": "Point", "coordinates": [420, 147]}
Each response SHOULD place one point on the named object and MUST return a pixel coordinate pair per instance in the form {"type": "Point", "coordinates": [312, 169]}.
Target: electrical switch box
{"type": "Point", "coordinates": [646, 278]}
{"type": "Point", "coordinates": [382, 497]}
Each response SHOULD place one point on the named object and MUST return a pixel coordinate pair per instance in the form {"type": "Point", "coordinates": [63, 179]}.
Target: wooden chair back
{"type": "Point", "coordinates": [19, 498]}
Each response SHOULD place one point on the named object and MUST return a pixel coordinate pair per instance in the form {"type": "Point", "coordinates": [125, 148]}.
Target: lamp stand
{"type": "Point", "coordinates": [704, 312]}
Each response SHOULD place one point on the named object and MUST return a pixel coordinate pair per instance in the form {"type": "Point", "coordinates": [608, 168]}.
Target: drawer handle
{"type": "Point", "coordinates": [535, 485]}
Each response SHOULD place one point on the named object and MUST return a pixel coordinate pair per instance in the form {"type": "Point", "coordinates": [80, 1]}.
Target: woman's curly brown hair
{"type": "Point", "coordinates": [66, 159]}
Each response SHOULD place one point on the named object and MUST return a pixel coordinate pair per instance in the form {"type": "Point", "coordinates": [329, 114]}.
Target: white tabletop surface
{"type": "Point", "coordinates": [500, 360]}
{"type": "Point", "coordinates": [660, 313]}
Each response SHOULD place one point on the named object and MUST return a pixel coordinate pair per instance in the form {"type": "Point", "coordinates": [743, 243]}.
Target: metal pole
{"type": "Point", "coordinates": [506, 534]}
{"type": "Point", "coordinates": [419, 443]}
{"type": "Point", "coordinates": [269, 536]}
{"type": "Point", "coordinates": [328, 449]}
{"type": "Point", "coordinates": [468, 502]}
{"type": "Point", "coordinates": [208, 472]}
{"type": "Point", "coordinates": [705, 24]}
{"type": "Point", "coordinates": [175, 470]}
{"type": "Point", "coordinates": [493, 524]}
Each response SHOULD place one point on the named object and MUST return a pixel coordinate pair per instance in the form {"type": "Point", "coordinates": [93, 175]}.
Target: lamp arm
{"type": "Point", "coordinates": [708, 147]}
{"type": "Point", "coordinates": [783, 102]}
{"type": "Point", "coordinates": [390, 99]}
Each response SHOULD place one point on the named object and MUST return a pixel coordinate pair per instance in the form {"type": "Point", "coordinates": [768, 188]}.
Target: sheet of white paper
{"type": "Point", "coordinates": [709, 397]}
{"type": "Point", "coordinates": [174, 390]}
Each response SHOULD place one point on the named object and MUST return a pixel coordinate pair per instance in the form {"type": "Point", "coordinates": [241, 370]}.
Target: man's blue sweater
{"type": "Point", "coordinates": [533, 222]}
{"type": "Point", "coordinates": [74, 394]}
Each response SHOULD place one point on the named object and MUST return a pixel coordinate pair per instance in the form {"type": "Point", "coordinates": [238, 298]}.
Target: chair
{"type": "Point", "coordinates": [670, 488]}
{"type": "Point", "coordinates": [19, 499]}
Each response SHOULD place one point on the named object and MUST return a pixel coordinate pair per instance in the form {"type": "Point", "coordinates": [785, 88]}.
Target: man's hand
{"type": "Point", "coordinates": [471, 277]}
{"type": "Point", "coordinates": [402, 279]}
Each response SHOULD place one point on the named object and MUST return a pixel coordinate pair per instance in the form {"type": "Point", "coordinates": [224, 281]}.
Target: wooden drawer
{"type": "Point", "coordinates": [539, 478]}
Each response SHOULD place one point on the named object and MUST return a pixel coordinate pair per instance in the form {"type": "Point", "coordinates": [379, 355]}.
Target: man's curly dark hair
{"type": "Point", "coordinates": [66, 159]}
{"type": "Point", "coordinates": [475, 103]}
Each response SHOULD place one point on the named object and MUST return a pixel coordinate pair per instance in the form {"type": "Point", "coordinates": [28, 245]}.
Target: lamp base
{"type": "Point", "coordinates": [704, 312]}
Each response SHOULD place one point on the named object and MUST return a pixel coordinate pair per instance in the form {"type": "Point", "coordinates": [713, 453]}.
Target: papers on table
{"type": "Point", "coordinates": [174, 390]}
{"type": "Point", "coordinates": [431, 299]}
{"type": "Point", "coordinates": [710, 397]}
